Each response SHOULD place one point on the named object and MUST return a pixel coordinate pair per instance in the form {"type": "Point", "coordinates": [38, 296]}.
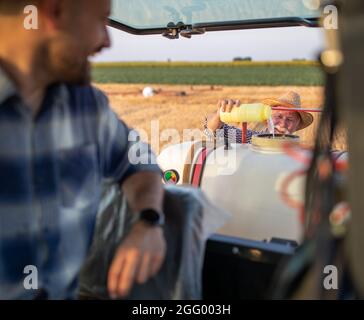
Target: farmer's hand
{"type": "Point", "coordinates": [214, 122]}
{"type": "Point", "coordinates": [138, 258]}
{"type": "Point", "coordinates": [227, 105]}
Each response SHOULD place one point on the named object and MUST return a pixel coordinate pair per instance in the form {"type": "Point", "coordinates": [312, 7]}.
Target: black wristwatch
{"type": "Point", "coordinates": [152, 217]}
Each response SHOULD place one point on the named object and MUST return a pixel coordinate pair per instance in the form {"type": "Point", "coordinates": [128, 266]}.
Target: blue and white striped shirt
{"type": "Point", "coordinates": [230, 133]}
{"type": "Point", "coordinates": [52, 167]}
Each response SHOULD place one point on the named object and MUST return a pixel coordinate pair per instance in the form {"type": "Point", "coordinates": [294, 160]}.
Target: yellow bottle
{"type": "Point", "coordinates": [256, 112]}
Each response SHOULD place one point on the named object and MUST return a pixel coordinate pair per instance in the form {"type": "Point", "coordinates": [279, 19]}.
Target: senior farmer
{"type": "Point", "coordinates": [285, 122]}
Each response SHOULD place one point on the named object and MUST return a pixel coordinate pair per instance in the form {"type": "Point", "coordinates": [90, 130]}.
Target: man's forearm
{"type": "Point", "coordinates": [214, 122]}
{"type": "Point", "coordinates": [144, 190]}
{"type": "Point", "coordinates": [141, 254]}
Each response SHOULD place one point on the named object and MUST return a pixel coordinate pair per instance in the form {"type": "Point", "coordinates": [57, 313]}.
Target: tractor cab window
{"type": "Point", "coordinates": [148, 16]}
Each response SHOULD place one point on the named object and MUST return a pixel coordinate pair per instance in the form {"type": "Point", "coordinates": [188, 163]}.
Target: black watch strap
{"type": "Point", "coordinates": [152, 217]}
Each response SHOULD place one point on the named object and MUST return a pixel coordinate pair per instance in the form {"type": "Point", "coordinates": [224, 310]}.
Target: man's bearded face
{"type": "Point", "coordinates": [84, 34]}
{"type": "Point", "coordinates": [285, 122]}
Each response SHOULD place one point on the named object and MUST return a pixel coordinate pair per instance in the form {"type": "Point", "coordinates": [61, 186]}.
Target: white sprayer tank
{"type": "Point", "coordinates": [252, 191]}
{"type": "Point", "coordinates": [246, 181]}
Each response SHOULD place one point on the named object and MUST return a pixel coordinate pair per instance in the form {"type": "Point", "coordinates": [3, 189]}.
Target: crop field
{"type": "Point", "coordinates": [186, 92]}
{"type": "Point", "coordinates": [180, 107]}
{"type": "Point", "coordinates": [240, 73]}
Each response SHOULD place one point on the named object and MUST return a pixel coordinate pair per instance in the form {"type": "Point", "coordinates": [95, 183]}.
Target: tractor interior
{"type": "Point", "coordinates": [245, 268]}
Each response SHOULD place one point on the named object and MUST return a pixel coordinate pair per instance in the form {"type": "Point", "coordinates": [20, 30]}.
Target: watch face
{"type": "Point", "coordinates": [151, 216]}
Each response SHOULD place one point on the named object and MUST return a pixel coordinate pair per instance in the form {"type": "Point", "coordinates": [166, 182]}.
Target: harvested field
{"type": "Point", "coordinates": [182, 107]}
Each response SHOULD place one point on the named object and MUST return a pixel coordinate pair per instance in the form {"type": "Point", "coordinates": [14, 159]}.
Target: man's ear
{"type": "Point", "coordinates": [53, 13]}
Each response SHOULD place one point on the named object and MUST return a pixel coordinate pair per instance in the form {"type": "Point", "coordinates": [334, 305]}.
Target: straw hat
{"type": "Point", "coordinates": [292, 100]}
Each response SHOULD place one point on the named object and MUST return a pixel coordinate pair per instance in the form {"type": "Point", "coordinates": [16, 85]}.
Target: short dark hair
{"type": "Point", "coordinates": [14, 7]}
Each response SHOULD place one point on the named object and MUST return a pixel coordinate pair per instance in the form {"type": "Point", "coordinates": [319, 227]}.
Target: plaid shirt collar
{"type": "Point", "coordinates": [57, 92]}
{"type": "Point", "coordinates": [7, 86]}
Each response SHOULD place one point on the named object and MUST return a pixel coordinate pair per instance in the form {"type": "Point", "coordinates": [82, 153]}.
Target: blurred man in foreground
{"type": "Point", "coordinates": [58, 141]}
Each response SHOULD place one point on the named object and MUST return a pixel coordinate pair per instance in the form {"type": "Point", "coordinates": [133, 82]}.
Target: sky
{"type": "Point", "coordinates": [276, 44]}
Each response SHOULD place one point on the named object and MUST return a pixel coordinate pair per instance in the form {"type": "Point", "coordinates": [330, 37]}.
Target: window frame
{"type": "Point", "coordinates": [224, 26]}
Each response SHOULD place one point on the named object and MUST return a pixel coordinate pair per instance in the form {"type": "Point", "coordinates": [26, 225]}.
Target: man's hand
{"type": "Point", "coordinates": [214, 122]}
{"type": "Point", "coordinates": [142, 252]}
{"type": "Point", "coordinates": [227, 105]}
{"type": "Point", "coordinates": [139, 258]}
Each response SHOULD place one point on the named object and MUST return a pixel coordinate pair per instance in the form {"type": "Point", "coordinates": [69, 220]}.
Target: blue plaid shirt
{"type": "Point", "coordinates": [52, 167]}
